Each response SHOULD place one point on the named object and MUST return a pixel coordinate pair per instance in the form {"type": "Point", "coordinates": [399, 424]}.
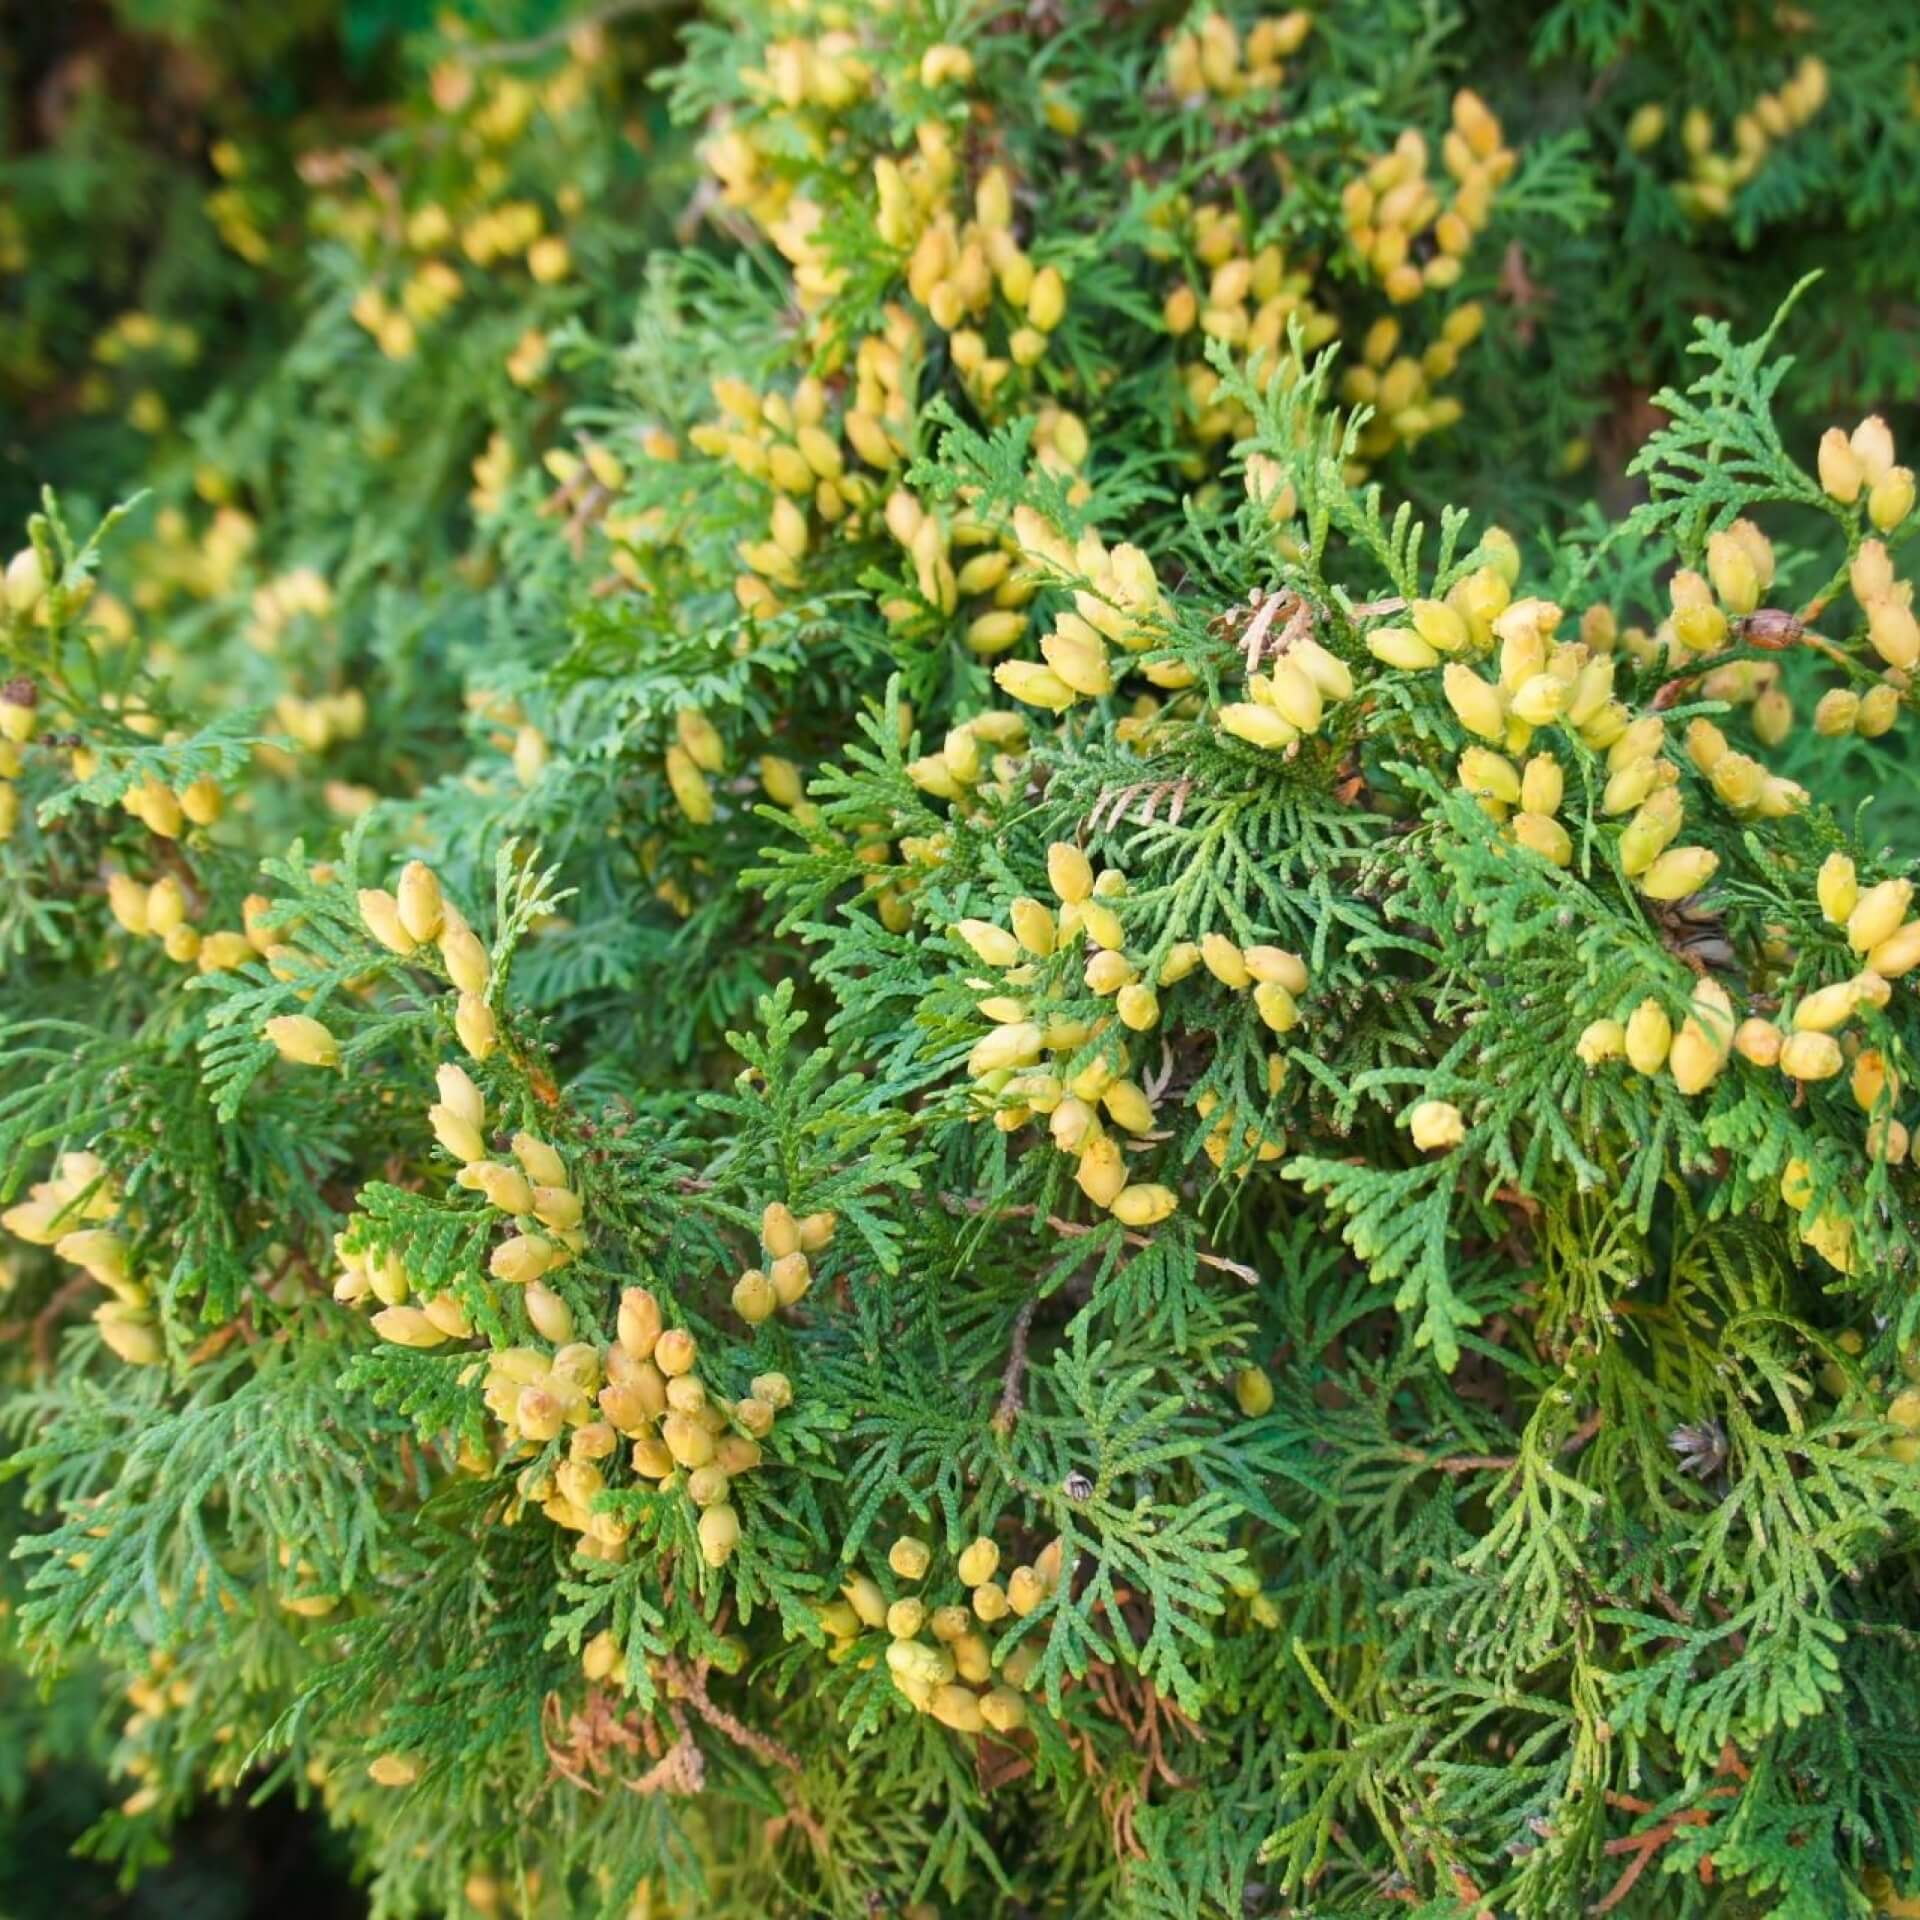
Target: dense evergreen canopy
{"type": "Point", "coordinates": [959, 960]}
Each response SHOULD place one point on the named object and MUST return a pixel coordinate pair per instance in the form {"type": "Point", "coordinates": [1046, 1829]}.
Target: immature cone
{"type": "Point", "coordinates": [1069, 872]}
{"type": "Point", "coordinates": [1601, 1041]}
{"type": "Point", "coordinates": [1436, 1125]}
{"type": "Point", "coordinates": [754, 1299]}
{"type": "Point", "coordinates": [1827, 1008]}
{"type": "Point", "coordinates": [1891, 499]}
{"type": "Point", "coordinates": [26, 581]}
{"type": "Point", "coordinates": [1144, 1206]}
{"type": "Point", "coordinates": [459, 1094]}
{"type": "Point", "coordinates": [543, 1166]}
{"type": "Point", "coordinates": [1258, 726]}
{"type": "Point", "coordinates": [381, 913]}
{"type": "Point", "coordinates": [719, 1534]}
{"type": "Point", "coordinates": [303, 1040]}
{"type": "Point", "coordinates": [910, 1558]}
{"type": "Point", "coordinates": [1898, 953]}
{"type": "Point", "coordinates": [1102, 1175]}
{"type": "Point", "coordinates": [979, 1561]}
{"type": "Point", "coordinates": [1033, 927]}
{"type": "Point", "coordinates": [129, 1333]}
{"type": "Point", "coordinates": [456, 1133]}
{"type": "Point", "coordinates": [1478, 707]}
{"type": "Point", "coordinates": [1224, 961]}
{"type": "Point", "coordinates": [993, 946]}
{"type": "Point", "coordinates": [1025, 1590]}
{"type": "Point", "coordinates": [1840, 470]}
{"type": "Point", "coordinates": [1003, 1710]}
{"type": "Point", "coordinates": [1679, 872]}
{"type": "Point", "coordinates": [419, 904]}
{"type": "Point", "coordinates": [1811, 1056]}
{"type": "Point", "coordinates": [865, 1598]}
{"type": "Point", "coordinates": [463, 955]}
{"type": "Point", "coordinates": [791, 1276]}
{"type": "Point", "coordinates": [675, 1352]}
{"type": "Point", "coordinates": [407, 1327]}
{"type": "Point", "coordinates": [552, 1318]}
{"type": "Point", "coordinates": [1700, 1048]}
{"type": "Point", "coordinates": [1253, 1391]}
{"type": "Point", "coordinates": [1649, 1037]}
{"type": "Point", "coordinates": [522, 1259]}
{"type": "Point", "coordinates": [1837, 888]}
{"type": "Point", "coordinates": [1878, 913]}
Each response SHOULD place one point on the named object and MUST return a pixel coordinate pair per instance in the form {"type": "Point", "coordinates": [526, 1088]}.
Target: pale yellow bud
{"type": "Point", "coordinates": [1014, 1045]}
{"type": "Point", "coordinates": [1649, 1037]}
{"type": "Point", "coordinates": [1872, 445]}
{"type": "Point", "coordinates": [128, 902]}
{"type": "Point", "coordinates": [1047, 299]}
{"type": "Point", "coordinates": [1898, 953]}
{"type": "Point", "coordinates": [978, 1563]}
{"type": "Point", "coordinates": [1224, 961]}
{"type": "Point", "coordinates": [1811, 1056]}
{"type": "Point", "coordinates": [1478, 707]}
{"type": "Point", "coordinates": [1069, 872]}
{"type": "Point", "coordinates": [522, 1259]}
{"type": "Point", "coordinates": [474, 1023]}
{"type": "Point", "coordinates": [1837, 888]}
{"type": "Point", "coordinates": [638, 1322]}
{"type": "Point", "coordinates": [1144, 1206]}
{"type": "Point", "coordinates": [303, 1040]}
{"type": "Point", "coordinates": [1401, 647]}
{"type": "Point", "coordinates": [992, 945]}
{"type": "Point", "coordinates": [1836, 712]}
{"type": "Point", "coordinates": [1840, 471]}
{"type": "Point", "coordinates": [1442, 627]}
{"type": "Point", "coordinates": [1102, 1173]}
{"type": "Point", "coordinates": [1679, 872]}
{"type": "Point", "coordinates": [407, 1327]}
{"type": "Point", "coordinates": [1542, 834]}
{"type": "Point", "coordinates": [1879, 710]}
{"type": "Point", "coordinates": [1891, 499]}
{"type": "Point", "coordinates": [1829, 1007]}
{"type": "Point", "coordinates": [1543, 785]}
{"type": "Point", "coordinates": [1893, 633]}
{"type": "Point", "coordinates": [675, 1352]}
{"type": "Point", "coordinates": [505, 1187]}
{"type": "Point", "coordinates": [381, 913]}
{"type": "Point", "coordinates": [691, 792]}
{"type": "Point", "coordinates": [1758, 1042]}
{"type": "Point", "coordinates": [791, 1275]}
{"type": "Point", "coordinates": [456, 1133]}
{"type": "Point", "coordinates": [1257, 725]}
{"type": "Point", "coordinates": [1870, 573]}
{"type": "Point", "coordinates": [1878, 914]}
{"type": "Point", "coordinates": [463, 954]}
{"type": "Point", "coordinates": [1735, 578]}
{"type": "Point", "coordinates": [419, 905]}
{"type": "Point", "coordinates": [1601, 1041]}
{"type": "Point", "coordinates": [719, 1531]}
{"type": "Point", "coordinates": [166, 905]}
{"type": "Point", "coordinates": [1436, 1125]}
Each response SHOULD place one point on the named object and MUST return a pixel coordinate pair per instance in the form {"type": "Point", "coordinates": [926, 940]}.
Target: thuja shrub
{"type": "Point", "coordinates": [889, 1030]}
